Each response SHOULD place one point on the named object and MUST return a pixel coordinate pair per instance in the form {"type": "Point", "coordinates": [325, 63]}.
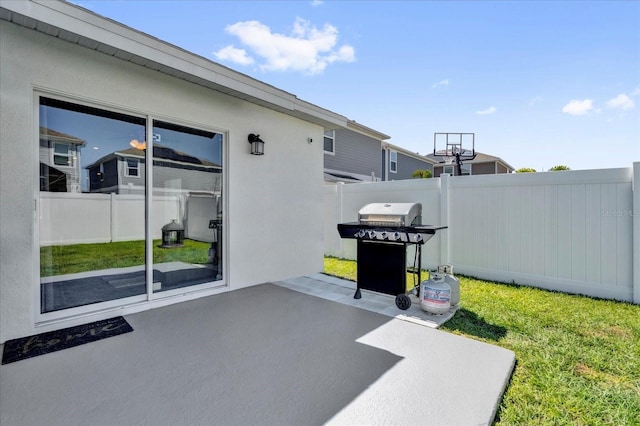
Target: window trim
{"type": "Point", "coordinates": [127, 168]}
{"type": "Point", "coordinates": [393, 164]}
{"type": "Point", "coordinates": [332, 136]}
{"type": "Point", "coordinates": [68, 155]}
{"type": "Point", "coordinates": [448, 167]}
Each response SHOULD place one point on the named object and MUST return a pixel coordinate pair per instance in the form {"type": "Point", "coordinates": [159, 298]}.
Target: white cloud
{"type": "Point", "coordinates": [535, 100]}
{"type": "Point", "coordinates": [576, 107]}
{"type": "Point", "coordinates": [621, 101]}
{"type": "Point", "coordinates": [487, 111]}
{"type": "Point", "coordinates": [316, 2]}
{"type": "Point", "coordinates": [231, 54]}
{"type": "Point", "coordinates": [307, 49]}
{"type": "Point", "coordinates": [441, 83]}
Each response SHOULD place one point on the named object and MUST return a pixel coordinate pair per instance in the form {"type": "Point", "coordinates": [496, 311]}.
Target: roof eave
{"type": "Point", "coordinates": [83, 27]}
{"type": "Point", "coordinates": [405, 151]}
{"type": "Point", "coordinates": [368, 131]}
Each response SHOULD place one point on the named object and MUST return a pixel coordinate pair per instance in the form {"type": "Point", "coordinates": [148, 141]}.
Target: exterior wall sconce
{"type": "Point", "coordinates": [257, 144]}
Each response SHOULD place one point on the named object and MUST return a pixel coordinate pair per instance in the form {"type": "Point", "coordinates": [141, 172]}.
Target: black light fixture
{"type": "Point", "coordinates": [257, 144]}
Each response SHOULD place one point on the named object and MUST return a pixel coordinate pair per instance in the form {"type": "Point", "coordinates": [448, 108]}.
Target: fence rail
{"type": "Point", "coordinates": [574, 231]}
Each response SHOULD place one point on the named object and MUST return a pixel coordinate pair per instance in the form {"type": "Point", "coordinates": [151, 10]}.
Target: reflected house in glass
{"type": "Point", "coordinates": [193, 185]}
{"type": "Point", "coordinates": [122, 172]}
{"type": "Point", "coordinates": [59, 161]}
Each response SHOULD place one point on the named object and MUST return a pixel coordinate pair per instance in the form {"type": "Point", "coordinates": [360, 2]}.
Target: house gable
{"type": "Point", "coordinates": [77, 57]}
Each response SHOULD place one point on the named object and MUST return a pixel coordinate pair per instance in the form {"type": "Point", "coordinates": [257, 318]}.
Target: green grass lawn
{"type": "Point", "coordinates": [58, 260]}
{"type": "Point", "coordinates": [578, 358]}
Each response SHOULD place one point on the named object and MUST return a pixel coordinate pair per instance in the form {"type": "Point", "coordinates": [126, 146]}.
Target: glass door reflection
{"type": "Point", "coordinates": [91, 213]}
{"type": "Point", "coordinates": [186, 206]}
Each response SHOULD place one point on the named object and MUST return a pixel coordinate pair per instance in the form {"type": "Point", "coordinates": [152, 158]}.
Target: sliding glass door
{"type": "Point", "coordinates": [187, 206]}
{"type": "Point", "coordinates": [96, 222]}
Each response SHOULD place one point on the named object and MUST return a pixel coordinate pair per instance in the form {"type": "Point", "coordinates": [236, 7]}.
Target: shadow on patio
{"type": "Point", "coordinates": [256, 356]}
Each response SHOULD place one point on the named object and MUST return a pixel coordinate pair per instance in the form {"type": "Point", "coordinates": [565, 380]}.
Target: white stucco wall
{"type": "Point", "coordinates": [274, 202]}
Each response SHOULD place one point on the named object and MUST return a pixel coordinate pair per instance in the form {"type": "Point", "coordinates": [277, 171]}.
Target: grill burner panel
{"type": "Point", "coordinates": [418, 234]}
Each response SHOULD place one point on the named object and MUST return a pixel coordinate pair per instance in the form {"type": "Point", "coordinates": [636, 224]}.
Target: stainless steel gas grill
{"type": "Point", "coordinates": [383, 233]}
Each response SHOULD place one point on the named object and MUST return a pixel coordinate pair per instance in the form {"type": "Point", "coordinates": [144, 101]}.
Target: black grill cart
{"type": "Point", "coordinates": [383, 233]}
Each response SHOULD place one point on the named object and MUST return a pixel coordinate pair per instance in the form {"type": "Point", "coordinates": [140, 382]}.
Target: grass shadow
{"type": "Point", "coordinates": [468, 322]}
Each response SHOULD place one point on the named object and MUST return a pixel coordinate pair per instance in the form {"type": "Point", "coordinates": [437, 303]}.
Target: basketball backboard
{"type": "Point", "coordinates": [454, 146]}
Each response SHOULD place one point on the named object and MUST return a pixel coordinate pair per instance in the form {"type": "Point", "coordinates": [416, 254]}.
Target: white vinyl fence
{"type": "Point", "coordinates": [81, 218]}
{"type": "Point", "coordinates": [572, 231]}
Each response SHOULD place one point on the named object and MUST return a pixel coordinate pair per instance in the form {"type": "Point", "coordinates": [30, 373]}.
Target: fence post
{"type": "Point", "coordinates": [444, 219]}
{"type": "Point", "coordinates": [112, 216]}
{"type": "Point", "coordinates": [340, 214]}
{"type": "Point", "coordinates": [635, 238]}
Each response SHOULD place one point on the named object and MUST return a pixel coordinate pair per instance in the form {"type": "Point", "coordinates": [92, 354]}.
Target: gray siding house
{"type": "Point", "coordinates": [399, 163]}
{"type": "Point", "coordinates": [360, 154]}
{"type": "Point", "coordinates": [122, 172]}
{"type": "Point", "coordinates": [352, 154]}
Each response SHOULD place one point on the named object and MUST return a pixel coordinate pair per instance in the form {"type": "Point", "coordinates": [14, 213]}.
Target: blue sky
{"type": "Point", "coordinates": [540, 83]}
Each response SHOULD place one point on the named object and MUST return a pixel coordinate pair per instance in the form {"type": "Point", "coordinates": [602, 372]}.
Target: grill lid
{"type": "Point", "coordinates": [391, 214]}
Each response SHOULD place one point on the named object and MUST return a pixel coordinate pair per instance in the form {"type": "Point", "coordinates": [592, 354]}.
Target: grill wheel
{"type": "Point", "coordinates": [403, 302]}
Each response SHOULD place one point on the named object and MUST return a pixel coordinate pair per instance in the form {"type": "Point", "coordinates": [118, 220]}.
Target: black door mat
{"type": "Point", "coordinates": [52, 341]}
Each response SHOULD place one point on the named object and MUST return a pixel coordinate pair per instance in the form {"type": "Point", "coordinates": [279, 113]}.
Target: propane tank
{"type": "Point", "coordinates": [453, 282]}
{"type": "Point", "coordinates": [435, 294]}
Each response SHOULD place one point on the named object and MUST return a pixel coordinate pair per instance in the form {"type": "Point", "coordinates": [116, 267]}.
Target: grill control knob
{"type": "Point", "coordinates": [395, 236]}
{"type": "Point", "coordinates": [418, 238]}
{"type": "Point", "coordinates": [383, 235]}
{"type": "Point", "coordinates": [361, 233]}
{"type": "Point", "coordinates": [372, 235]}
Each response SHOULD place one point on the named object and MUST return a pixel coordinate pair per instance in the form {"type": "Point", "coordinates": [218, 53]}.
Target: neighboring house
{"type": "Point", "coordinates": [399, 163]}
{"type": "Point", "coordinates": [122, 172]}
{"type": "Point", "coordinates": [360, 154]}
{"type": "Point", "coordinates": [482, 164]}
{"type": "Point", "coordinates": [59, 161]}
{"type": "Point", "coordinates": [352, 154]}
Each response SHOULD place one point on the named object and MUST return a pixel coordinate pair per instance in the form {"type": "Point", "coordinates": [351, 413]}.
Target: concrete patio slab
{"type": "Point", "coordinates": [264, 355]}
{"type": "Point", "coordinates": [341, 291]}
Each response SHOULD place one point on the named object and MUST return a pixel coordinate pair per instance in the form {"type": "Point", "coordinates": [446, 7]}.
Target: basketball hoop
{"type": "Point", "coordinates": [454, 147]}
{"type": "Point", "coordinates": [448, 157]}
